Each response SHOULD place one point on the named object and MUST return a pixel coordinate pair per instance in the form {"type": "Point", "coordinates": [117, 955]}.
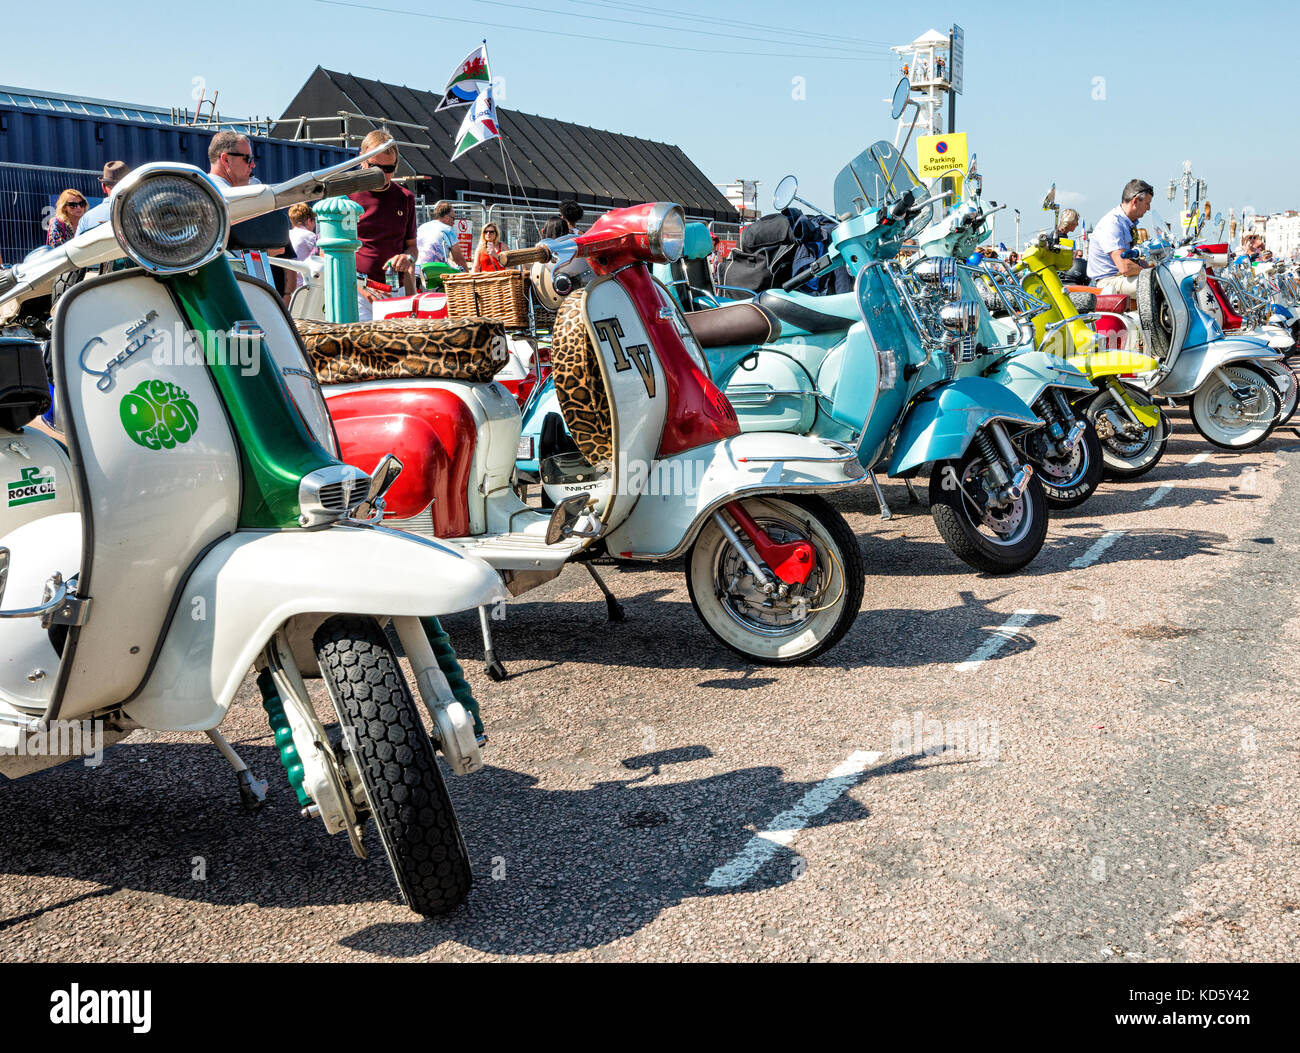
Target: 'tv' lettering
{"type": "Point", "coordinates": [610, 331]}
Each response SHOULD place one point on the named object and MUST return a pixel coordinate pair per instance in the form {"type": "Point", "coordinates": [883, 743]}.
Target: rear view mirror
{"type": "Point", "coordinates": [902, 92]}
{"type": "Point", "coordinates": [785, 193]}
{"type": "Point", "coordinates": [1050, 200]}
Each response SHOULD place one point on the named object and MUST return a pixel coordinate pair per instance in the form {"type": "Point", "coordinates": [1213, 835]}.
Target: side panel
{"type": "Point", "coordinates": [690, 485]}
{"type": "Point", "coordinates": [159, 472]}
{"type": "Point", "coordinates": [1194, 366]}
{"type": "Point", "coordinates": [35, 479]}
{"type": "Point", "coordinates": [940, 425]}
{"type": "Point", "coordinates": [773, 392]}
{"type": "Point", "coordinates": [251, 583]}
{"type": "Point", "coordinates": [1030, 373]}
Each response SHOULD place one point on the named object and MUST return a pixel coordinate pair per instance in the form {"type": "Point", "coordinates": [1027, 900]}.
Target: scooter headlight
{"type": "Point", "coordinates": [170, 218]}
{"type": "Point", "coordinates": [666, 231]}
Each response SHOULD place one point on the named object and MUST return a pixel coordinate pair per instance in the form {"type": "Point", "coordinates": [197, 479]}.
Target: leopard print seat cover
{"type": "Point", "coordinates": [579, 384]}
{"type": "Point", "coordinates": [392, 348]}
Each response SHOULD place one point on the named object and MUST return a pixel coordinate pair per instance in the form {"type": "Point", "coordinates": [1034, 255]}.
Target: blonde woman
{"type": "Point", "coordinates": [485, 252]}
{"type": "Point", "coordinates": [1068, 221]}
{"type": "Point", "coordinates": [68, 210]}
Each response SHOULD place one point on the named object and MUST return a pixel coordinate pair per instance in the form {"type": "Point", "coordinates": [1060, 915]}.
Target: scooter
{"type": "Point", "coordinates": [657, 467]}
{"type": "Point", "coordinates": [1067, 452]}
{"type": "Point", "coordinates": [1131, 429]}
{"type": "Point", "coordinates": [1234, 400]}
{"type": "Point", "coordinates": [199, 522]}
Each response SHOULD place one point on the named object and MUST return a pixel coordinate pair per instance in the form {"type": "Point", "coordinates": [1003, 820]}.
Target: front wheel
{"type": "Point", "coordinates": [1235, 419]}
{"type": "Point", "coordinates": [997, 539]}
{"type": "Point", "coordinates": [1128, 449]}
{"type": "Point", "coordinates": [396, 762]}
{"type": "Point", "coordinates": [769, 629]}
{"type": "Point", "coordinates": [1068, 480]}
{"type": "Point", "coordinates": [1284, 379]}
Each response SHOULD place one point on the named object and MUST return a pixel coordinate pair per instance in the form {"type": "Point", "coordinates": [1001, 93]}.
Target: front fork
{"type": "Point", "coordinates": [775, 567]}
{"type": "Point", "coordinates": [1006, 478]}
{"type": "Point", "coordinates": [1064, 429]}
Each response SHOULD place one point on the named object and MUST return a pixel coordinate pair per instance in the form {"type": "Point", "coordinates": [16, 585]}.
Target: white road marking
{"type": "Point", "coordinates": [996, 640]}
{"type": "Point", "coordinates": [1200, 458]}
{"type": "Point", "coordinates": [782, 830]}
{"type": "Point", "coordinates": [1096, 549]}
{"type": "Point", "coordinates": [1161, 493]}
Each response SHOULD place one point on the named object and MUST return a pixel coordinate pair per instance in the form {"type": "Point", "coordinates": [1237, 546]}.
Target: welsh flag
{"type": "Point", "coordinates": [479, 125]}
{"type": "Point", "coordinates": [470, 77]}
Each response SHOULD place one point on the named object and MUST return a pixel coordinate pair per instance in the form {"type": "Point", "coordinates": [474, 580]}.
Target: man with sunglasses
{"type": "Point", "coordinates": [387, 225]}
{"type": "Point", "coordinates": [114, 172]}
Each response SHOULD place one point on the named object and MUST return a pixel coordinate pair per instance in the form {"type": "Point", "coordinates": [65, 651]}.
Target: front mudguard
{"type": "Point", "coordinates": [1030, 373]}
{"type": "Point", "coordinates": [940, 424]}
{"type": "Point", "coordinates": [691, 485]}
{"type": "Point", "coordinates": [252, 583]}
{"type": "Point", "coordinates": [1194, 365]}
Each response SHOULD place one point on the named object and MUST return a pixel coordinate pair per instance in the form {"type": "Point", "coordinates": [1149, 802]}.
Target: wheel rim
{"type": "Point", "coordinates": [1005, 526]}
{"type": "Point", "coordinates": [1132, 451]}
{"type": "Point", "coordinates": [1064, 472]}
{"type": "Point", "coordinates": [746, 604]}
{"type": "Point", "coordinates": [1234, 422]}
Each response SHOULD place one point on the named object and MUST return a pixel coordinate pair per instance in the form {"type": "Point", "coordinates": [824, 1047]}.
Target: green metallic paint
{"type": "Point", "coordinates": [275, 447]}
{"type": "Point", "coordinates": [284, 746]}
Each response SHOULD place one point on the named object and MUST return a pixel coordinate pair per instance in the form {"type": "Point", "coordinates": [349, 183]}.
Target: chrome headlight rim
{"type": "Point", "coordinates": [669, 246]}
{"type": "Point", "coordinates": [137, 181]}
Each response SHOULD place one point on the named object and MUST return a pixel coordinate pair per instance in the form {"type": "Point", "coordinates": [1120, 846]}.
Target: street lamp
{"type": "Point", "coordinates": [1017, 212]}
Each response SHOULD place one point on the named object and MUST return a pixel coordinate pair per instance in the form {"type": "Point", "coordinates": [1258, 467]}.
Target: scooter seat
{"type": "Point", "coordinates": [733, 325]}
{"type": "Point", "coordinates": [471, 349]}
{"type": "Point", "coordinates": [812, 314]}
{"type": "Point", "coordinates": [1115, 303]}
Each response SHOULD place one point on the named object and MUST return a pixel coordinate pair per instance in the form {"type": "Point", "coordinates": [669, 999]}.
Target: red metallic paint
{"type": "Point", "coordinates": [698, 413]}
{"type": "Point", "coordinates": [430, 430]}
{"type": "Point", "coordinates": [1231, 319]}
{"type": "Point", "coordinates": [619, 237]}
{"type": "Point", "coordinates": [792, 562]}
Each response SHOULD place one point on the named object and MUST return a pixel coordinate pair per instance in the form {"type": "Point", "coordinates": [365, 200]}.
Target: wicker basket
{"type": "Point", "coordinates": [498, 295]}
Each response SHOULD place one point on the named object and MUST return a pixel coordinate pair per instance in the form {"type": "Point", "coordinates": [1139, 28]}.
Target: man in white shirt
{"type": "Point", "coordinates": [436, 240]}
{"type": "Point", "coordinates": [1113, 236]}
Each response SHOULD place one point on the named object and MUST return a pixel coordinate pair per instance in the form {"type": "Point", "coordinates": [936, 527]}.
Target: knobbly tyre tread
{"type": "Point", "coordinates": [1149, 298]}
{"type": "Point", "coordinates": [951, 524]}
{"type": "Point", "coordinates": [398, 764]}
{"type": "Point", "coordinates": [63, 283]}
{"type": "Point", "coordinates": [854, 570]}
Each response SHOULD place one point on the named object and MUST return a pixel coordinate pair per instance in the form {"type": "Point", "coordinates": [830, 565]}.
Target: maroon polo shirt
{"type": "Point", "coordinates": [384, 228]}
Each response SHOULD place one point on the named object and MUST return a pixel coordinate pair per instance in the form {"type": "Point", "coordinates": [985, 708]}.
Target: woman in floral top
{"type": "Point", "coordinates": [71, 206]}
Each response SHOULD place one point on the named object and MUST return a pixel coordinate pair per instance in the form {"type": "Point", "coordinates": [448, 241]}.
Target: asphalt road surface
{"type": "Point", "coordinates": [1093, 759]}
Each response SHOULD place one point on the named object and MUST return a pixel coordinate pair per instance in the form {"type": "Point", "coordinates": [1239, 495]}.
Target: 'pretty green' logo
{"type": "Point", "coordinates": [158, 415]}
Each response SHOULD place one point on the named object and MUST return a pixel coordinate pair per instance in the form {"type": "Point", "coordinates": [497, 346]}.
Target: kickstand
{"type": "Point", "coordinates": [494, 669]}
{"type": "Point", "coordinates": [612, 606]}
{"type": "Point", "coordinates": [911, 492]}
{"type": "Point", "coordinates": [252, 791]}
{"type": "Point", "coordinates": [885, 513]}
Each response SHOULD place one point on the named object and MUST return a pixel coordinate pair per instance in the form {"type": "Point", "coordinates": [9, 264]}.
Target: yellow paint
{"type": "Point", "coordinates": [938, 155]}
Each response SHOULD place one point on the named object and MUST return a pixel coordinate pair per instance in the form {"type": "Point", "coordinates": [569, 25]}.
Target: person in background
{"type": "Point", "coordinates": [555, 227]}
{"type": "Point", "coordinates": [387, 225]}
{"type": "Point", "coordinates": [114, 172]}
{"type": "Point", "coordinates": [571, 212]}
{"type": "Point", "coordinates": [436, 240]}
{"type": "Point", "coordinates": [1068, 221]}
{"type": "Point", "coordinates": [302, 235]}
{"type": "Point", "coordinates": [1113, 236]}
{"type": "Point", "coordinates": [68, 210]}
{"type": "Point", "coordinates": [485, 252]}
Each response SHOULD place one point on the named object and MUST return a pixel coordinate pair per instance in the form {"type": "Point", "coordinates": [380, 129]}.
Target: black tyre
{"type": "Point", "coordinates": [1284, 379]}
{"type": "Point", "coordinates": [1230, 423]}
{"type": "Point", "coordinates": [1070, 480]}
{"type": "Point", "coordinates": [1128, 450]}
{"type": "Point", "coordinates": [996, 541]}
{"type": "Point", "coordinates": [813, 618]}
{"type": "Point", "coordinates": [397, 763]}
{"type": "Point", "coordinates": [63, 283]}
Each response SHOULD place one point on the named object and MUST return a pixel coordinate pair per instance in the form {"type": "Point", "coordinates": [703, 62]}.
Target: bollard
{"type": "Point", "coordinates": [336, 219]}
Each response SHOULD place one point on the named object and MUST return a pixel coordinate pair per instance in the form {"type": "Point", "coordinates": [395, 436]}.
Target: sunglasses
{"type": "Point", "coordinates": [247, 158]}
{"type": "Point", "coordinates": [76, 204]}
{"type": "Point", "coordinates": [388, 169]}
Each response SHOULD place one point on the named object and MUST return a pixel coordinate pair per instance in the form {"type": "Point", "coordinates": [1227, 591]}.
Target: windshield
{"type": "Point", "coordinates": [864, 183]}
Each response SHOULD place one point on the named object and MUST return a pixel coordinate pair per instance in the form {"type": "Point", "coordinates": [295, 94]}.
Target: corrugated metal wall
{"type": "Point", "coordinates": [31, 141]}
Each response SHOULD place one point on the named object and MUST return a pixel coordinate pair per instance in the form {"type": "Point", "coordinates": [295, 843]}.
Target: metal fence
{"type": "Point", "coordinates": [27, 197]}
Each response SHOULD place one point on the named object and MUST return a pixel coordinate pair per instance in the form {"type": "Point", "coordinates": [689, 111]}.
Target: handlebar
{"type": "Point", "coordinates": [822, 263]}
{"type": "Point", "coordinates": [516, 257]}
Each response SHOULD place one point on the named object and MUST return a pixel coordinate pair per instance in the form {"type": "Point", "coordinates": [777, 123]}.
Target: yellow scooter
{"type": "Point", "coordinates": [1132, 429]}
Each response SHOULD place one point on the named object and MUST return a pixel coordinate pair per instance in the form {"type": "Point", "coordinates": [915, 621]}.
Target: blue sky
{"type": "Point", "coordinates": [1213, 83]}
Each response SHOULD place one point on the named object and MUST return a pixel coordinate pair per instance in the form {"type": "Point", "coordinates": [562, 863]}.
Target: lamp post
{"type": "Point", "coordinates": [1017, 212]}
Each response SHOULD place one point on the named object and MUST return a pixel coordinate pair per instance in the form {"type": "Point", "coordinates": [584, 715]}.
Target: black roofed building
{"type": "Point", "coordinates": [551, 160]}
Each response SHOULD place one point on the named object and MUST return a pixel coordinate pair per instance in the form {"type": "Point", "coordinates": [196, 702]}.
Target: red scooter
{"type": "Point", "coordinates": [659, 470]}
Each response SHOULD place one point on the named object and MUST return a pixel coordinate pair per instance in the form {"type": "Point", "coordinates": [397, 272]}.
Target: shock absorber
{"type": "Point", "coordinates": [447, 662]}
{"type": "Point", "coordinates": [989, 452]}
{"type": "Point", "coordinates": [285, 749]}
{"type": "Point", "coordinates": [1045, 409]}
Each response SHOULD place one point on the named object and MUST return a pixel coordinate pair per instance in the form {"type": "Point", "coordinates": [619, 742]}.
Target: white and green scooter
{"type": "Point", "coordinates": [198, 522]}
